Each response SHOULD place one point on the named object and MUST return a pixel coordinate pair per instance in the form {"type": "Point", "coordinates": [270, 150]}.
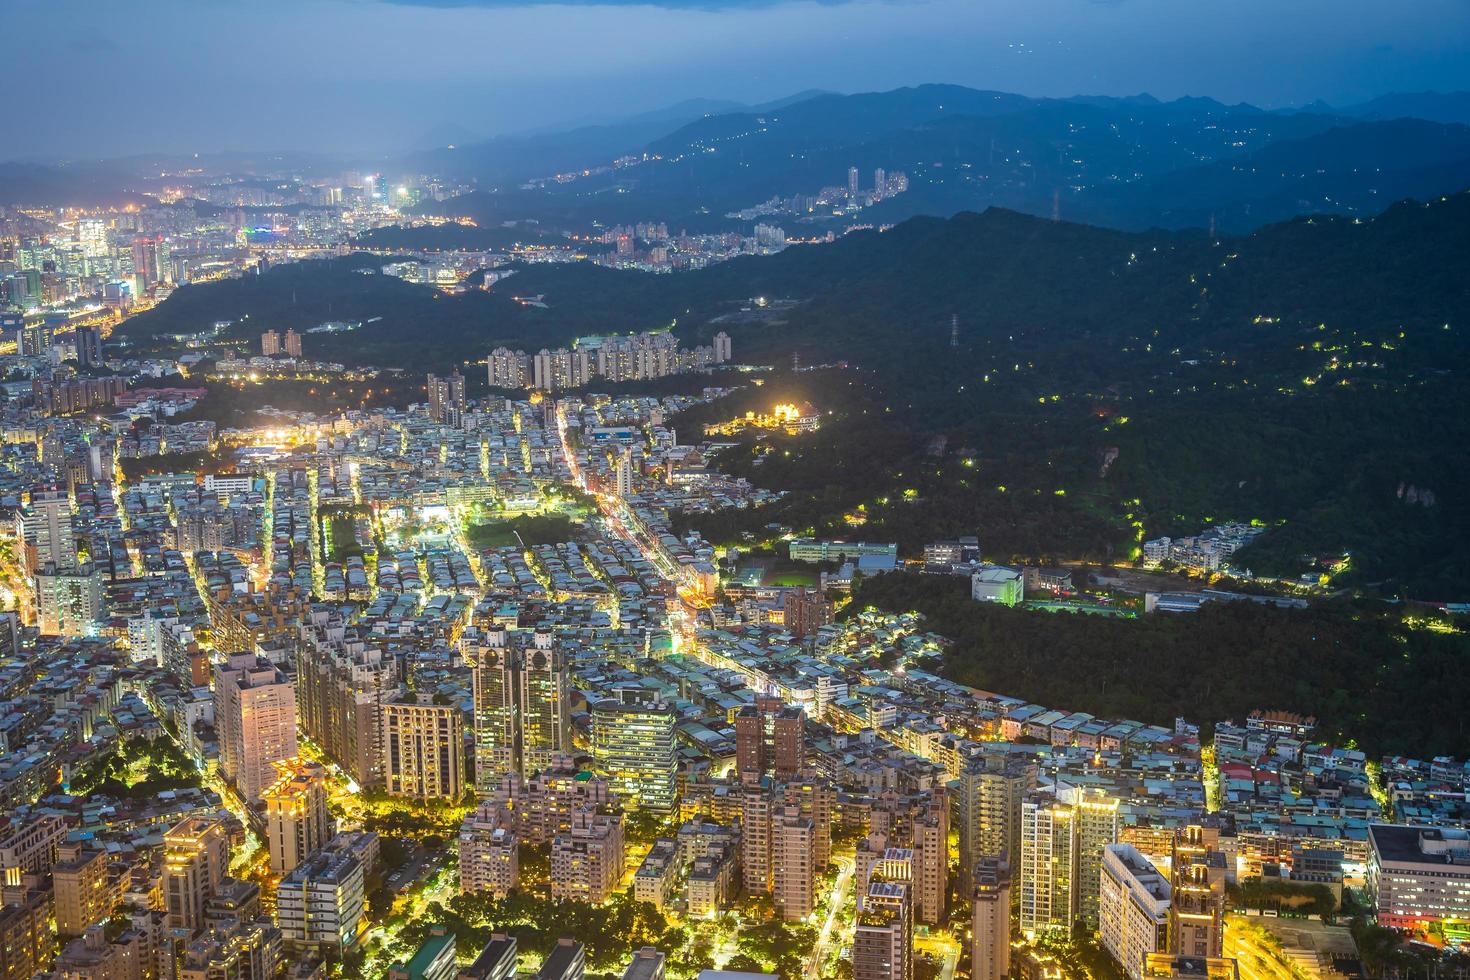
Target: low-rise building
{"type": "Point", "coordinates": [1418, 876]}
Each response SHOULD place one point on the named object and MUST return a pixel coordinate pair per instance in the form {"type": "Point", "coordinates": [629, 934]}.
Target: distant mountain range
{"type": "Point", "coordinates": [541, 153]}
{"type": "Point", "coordinates": [1130, 162]}
{"type": "Point", "coordinates": [1447, 107]}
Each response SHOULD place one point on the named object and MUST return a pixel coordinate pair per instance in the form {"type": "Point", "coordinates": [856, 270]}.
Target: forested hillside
{"type": "Point", "coordinates": [1367, 677]}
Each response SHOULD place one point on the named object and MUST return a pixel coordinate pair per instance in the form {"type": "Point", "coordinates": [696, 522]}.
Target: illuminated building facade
{"type": "Point", "coordinates": [770, 738]}
{"type": "Point", "coordinates": [69, 601]}
{"type": "Point", "coordinates": [489, 852]}
{"type": "Point", "coordinates": [990, 925]}
{"type": "Point", "coordinates": [1418, 876]}
{"type": "Point", "coordinates": [255, 718]}
{"type": "Point", "coordinates": [587, 858]}
{"type": "Point", "coordinates": [423, 749]}
{"type": "Point", "coordinates": [297, 822]}
{"type": "Point", "coordinates": [342, 682]}
{"type": "Point", "coordinates": [633, 743]}
{"type": "Point", "coordinates": [521, 715]}
{"type": "Point", "coordinates": [195, 862]}
{"type": "Point", "coordinates": [1133, 908]}
{"type": "Point", "coordinates": [988, 808]}
{"type": "Point", "coordinates": [1197, 909]}
{"type": "Point", "coordinates": [883, 936]}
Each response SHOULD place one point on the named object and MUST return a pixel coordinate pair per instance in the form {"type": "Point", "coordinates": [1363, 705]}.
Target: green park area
{"type": "Point", "coordinates": [526, 530]}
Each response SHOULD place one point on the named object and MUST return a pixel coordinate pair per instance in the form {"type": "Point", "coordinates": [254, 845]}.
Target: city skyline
{"type": "Point", "coordinates": [923, 533]}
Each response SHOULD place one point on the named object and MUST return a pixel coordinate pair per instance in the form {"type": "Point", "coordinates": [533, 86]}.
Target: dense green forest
{"type": "Point", "coordinates": [454, 236]}
{"type": "Point", "coordinates": [396, 315]}
{"type": "Point", "coordinates": [1365, 674]}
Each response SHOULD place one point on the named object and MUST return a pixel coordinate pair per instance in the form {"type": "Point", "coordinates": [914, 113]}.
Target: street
{"type": "Point", "coordinates": [840, 887]}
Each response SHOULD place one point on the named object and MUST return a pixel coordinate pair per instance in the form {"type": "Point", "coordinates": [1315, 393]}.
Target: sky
{"type": "Point", "coordinates": [98, 79]}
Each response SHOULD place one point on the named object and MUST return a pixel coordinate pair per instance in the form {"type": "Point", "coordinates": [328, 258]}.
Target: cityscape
{"type": "Point", "coordinates": [919, 534]}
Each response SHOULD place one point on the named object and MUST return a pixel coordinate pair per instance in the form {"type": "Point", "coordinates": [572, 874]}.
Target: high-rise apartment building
{"type": "Point", "coordinates": [69, 601]}
{"type": "Point", "coordinates": [757, 804]}
{"type": "Point", "coordinates": [46, 528]}
{"type": "Point", "coordinates": [1062, 841]}
{"type": "Point", "coordinates": [930, 890]}
{"type": "Point", "coordinates": [988, 808]}
{"type": "Point", "coordinates": [1096, 826]}
{"type": "Point", "coordinates": [196, 859]}
{"type": "Point", "coordinates": [794, 866]}
{"type": "Point", "coordinates": [246, 950]}
{"type": "Point", "coordinates": [423, 749]}
{"type": "Point", "coordinates": [814, 796]}
{"type": "Point", "coordinates": [521, 693]}
{"type": "Point", "coordinates": [489, 851]}
{"type": "Point", "coordinates": [786, 839]}
{"type": "Point", "coordinates": [255, 718]}
{"type": "Point", "coordinates": [587, 858]}
{"type": "Point", "coordinates": [1197, 905]}
{"type": "Point", "coordinates": [26, 946]}
{"type": "Point", "coordinates": [150, 261]}
{"type": "Point", "coordinates": [446, 399]}
{"type": "Point", "coordinates": [270, 343]}
{"type": "Point", "coordinates": [1133, 908]}
{"type": "Point", "coordinates": [723, 350]}
{"type": "Point", "coordinates": [341, 685]}
{"type": "Point", "coordinates": [542, 805]}
{"type": "Point", "coordinates": [1048, 864]}
{"type": "Point", "coordinates": [79, 883]}
{"type": "Point", "coordinates": [883, 935]}
{"type": "Point", "coordinates": [561, 368]}
{"type": "Point", "coordinates": [89, 346]}
{"type": "Point", "coordinates": [806, 610]}
{"type": "Point", "coordinates": [623, 475]}
{"type": "Point", "coordinates": [633, 743]}
{"type": "Point", "coordinates": [297, 822]}
{"type": "Point", "coordinates": [320, 903]}
{"type": "Point", "coordinates": [990, 915]}
{"type": "Point", "coordinates": [770, 738]}
{"type": "Point", "coordinates": [291, 343]}
{"type": "Point", "coordinates": [638, 357]}
{"type": "Point", "coordinates": [508, 368]}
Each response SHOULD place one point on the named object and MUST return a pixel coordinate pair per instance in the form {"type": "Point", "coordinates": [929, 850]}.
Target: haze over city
{"type": "Point", "coordinates": [362, 76]}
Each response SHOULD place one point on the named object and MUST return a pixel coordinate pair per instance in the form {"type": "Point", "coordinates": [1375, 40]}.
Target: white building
{"type": "Point", "coordinates": [1418, 875]}
{"type": "Point", "coordinates": [1133, 908]}
{"type": "Point", "coordinates": [320, 903]}
{"type": "Point", "coordinates": [997, 583]}
{"type": "Point", "coordinates": [69, 600]}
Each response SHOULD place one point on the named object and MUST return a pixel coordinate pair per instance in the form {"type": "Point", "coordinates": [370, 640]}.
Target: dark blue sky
{"type": "Point", "coordinates": [92, 78]}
